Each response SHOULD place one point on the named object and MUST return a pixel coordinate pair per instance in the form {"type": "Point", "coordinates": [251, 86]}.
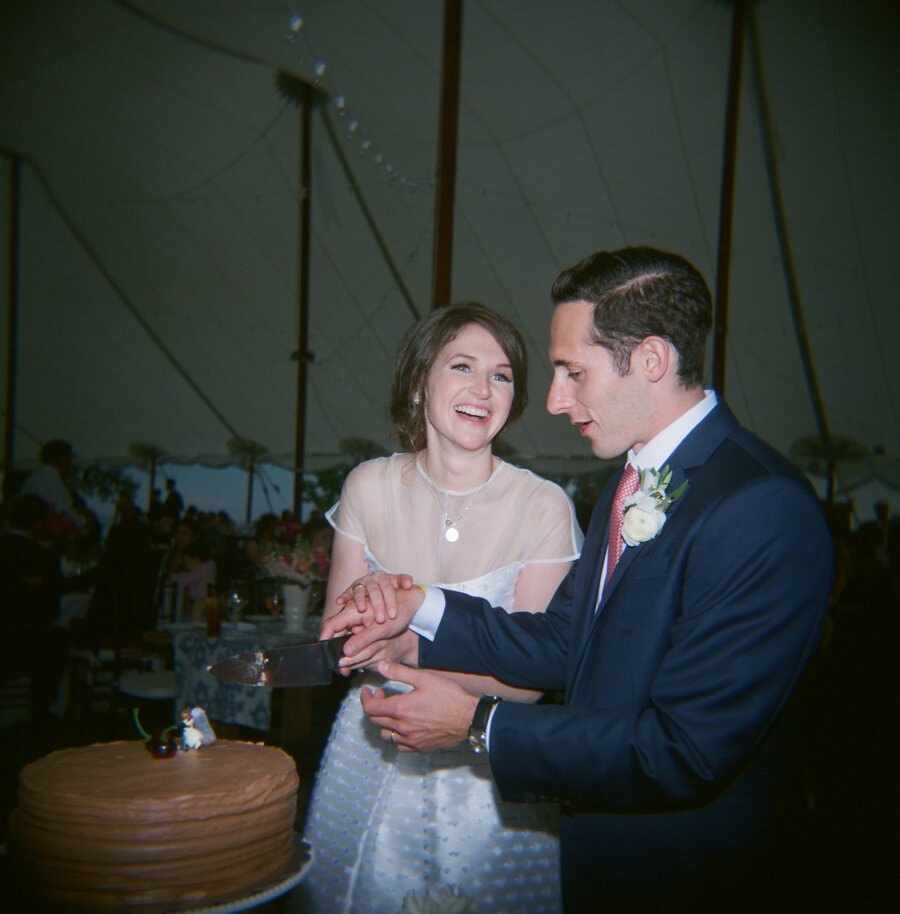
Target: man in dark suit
{"type": "Point", "coordinates": [679, 643]}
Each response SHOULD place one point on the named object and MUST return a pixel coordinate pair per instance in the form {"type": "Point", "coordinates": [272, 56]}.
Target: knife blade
{"type": "Point", "coordinates": [307, 664]}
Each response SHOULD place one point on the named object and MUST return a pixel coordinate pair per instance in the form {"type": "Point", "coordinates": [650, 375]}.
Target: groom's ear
{"type": "Point", "coordinates": [654, 357]}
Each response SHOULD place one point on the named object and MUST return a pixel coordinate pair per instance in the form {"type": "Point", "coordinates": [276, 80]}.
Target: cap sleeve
{"type": "Point", "coordinates": [555, 535]}
{"type": "Point", "coordinates": [349, 514]}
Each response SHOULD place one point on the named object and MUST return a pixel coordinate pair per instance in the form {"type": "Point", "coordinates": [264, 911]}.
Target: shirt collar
{"type": "Point", "coordinates": [658, 450]}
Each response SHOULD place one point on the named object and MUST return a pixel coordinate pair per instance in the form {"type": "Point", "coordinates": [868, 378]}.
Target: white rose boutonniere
{"type": "Point", "coordinates": [645, 511]}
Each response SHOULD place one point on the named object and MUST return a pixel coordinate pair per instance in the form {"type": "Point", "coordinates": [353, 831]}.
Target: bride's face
{"type": "Point", "coordinates": [469, 390]}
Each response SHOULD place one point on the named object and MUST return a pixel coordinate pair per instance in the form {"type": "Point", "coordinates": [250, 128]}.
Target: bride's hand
{"type": "Point", "coordinates": [379, 589]}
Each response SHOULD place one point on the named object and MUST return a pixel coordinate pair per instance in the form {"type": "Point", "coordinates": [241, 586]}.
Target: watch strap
{"type": "Point", "coordinates": [477, 735]}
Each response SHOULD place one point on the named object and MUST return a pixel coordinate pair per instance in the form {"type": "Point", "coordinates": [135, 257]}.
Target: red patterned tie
{"type": "Point", "coordinates": [628, 485]}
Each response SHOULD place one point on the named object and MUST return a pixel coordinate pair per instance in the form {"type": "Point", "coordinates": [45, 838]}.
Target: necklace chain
{"type": "Point", "coordinates": [451, 533]}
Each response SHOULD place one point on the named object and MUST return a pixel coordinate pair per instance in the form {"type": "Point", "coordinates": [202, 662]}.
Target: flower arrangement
{"type": "Point", "coordinates": [646, 509]}
{"type": "Point", "coordinates": [293, 559]}
{"type": "Point", "coordinates": [67, 538]}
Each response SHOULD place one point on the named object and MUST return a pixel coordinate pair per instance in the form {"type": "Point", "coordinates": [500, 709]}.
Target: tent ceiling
{"type": "Point", "coordinates": [159, 204]}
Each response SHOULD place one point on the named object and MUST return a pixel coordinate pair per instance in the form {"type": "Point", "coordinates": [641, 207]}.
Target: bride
{"type": "Point", "coordinates": [382, 823]}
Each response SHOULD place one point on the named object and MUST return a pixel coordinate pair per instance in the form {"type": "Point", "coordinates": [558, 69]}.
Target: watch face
{"type": "Point", "coordinates": [477, 740]}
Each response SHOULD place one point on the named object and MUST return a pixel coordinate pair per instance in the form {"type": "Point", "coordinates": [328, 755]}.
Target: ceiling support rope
{"type": "Point", "coordinates": [726, 201]}
{"type": "Point", "coordinates": [187, 36]}
{"type": "Point", "coordinates": [132, 309]}
{"type": "Point", "coordinates": [12, 317]}
{"type": "Point", "coordinates": [367, 215]}
{"type": "Point", "coordinates": [784, 241]}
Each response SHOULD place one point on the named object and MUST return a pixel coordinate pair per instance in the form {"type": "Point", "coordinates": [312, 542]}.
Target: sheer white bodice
{"type": "Point", "coordinates": [515, 518]}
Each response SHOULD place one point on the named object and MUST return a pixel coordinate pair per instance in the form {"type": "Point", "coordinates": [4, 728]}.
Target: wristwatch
{"type": "Point", "coordinates": [477, 735]}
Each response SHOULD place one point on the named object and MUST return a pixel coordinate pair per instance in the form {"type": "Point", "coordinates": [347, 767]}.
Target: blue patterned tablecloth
{"type": "Point", "coordinates": [247, 706]}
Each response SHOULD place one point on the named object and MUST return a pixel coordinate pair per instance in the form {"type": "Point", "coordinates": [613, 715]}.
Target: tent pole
{"type": "Point", "coordinates": [446, 172]}
{"type": "Point", "coordinates": [787, 258]}
{"type": "Point", "coordinates": [726, 203]}
{"type": "Point", "coordinates": [303, 233]}
{"type": "Point", "coordinates": [12, 318]}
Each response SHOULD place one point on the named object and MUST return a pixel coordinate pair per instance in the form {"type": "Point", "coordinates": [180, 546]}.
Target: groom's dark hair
{"type": "Point", "coordinates": [639, 292]}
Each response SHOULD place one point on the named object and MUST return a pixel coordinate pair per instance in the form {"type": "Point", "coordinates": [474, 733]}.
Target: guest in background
{"type": "Point", "coordinates": [199, 572]}
{"type": "Point", "coordinates": [31, 645]}
{"type": "Point", "coordinates": [185, 534]}
{"type": "Point", "coordinates": [50, 481]}
{"type": "Point", "coordinates": [122, 604]}
{"type": "Point", "coordinates": [320, 536]}
{"type": "Point", "coordinates": [156, 511]}
{"type": "Point", "coordinates": [173, 503]}
{"type": "Point", "coordinates": [265, 533]}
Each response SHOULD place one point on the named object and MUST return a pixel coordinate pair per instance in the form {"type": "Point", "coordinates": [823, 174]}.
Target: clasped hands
{"type": "Point", "coordinates": [376, 612]}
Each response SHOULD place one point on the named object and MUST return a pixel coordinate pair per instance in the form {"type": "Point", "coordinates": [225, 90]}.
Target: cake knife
{"type": "Point", "coordinates": [307, 664]}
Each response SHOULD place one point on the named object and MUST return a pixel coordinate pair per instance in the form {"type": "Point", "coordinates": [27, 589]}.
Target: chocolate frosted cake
{"type": "Point", "coordinates": [109, 826]}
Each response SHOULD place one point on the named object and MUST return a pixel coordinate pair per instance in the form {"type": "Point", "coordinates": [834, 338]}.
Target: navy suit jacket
{"type": "Point", "coordinates": [670, 755]}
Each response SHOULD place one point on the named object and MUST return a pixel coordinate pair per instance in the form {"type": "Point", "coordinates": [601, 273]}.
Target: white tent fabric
{"type": "Point", "coordinates": [159, 189]}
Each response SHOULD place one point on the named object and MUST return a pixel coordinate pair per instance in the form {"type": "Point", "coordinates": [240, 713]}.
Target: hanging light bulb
{"type": "Point", "coordinates": [319, 70]}
{"type": "Point", "coordinates": [340, 103]}
{"type": "Point", "coordinates": [294, 26]}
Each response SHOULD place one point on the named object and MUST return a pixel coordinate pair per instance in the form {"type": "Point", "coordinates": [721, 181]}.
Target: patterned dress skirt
{"type": "Point", "coordinates": [384, 823]}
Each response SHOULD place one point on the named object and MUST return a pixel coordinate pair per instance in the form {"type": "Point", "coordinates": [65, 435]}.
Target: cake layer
{"type": "Point", "coordinates": [110, 826]}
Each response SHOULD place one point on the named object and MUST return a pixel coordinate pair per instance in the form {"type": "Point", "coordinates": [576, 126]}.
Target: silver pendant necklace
{"type": "Point", "coordinates": [451, 533]}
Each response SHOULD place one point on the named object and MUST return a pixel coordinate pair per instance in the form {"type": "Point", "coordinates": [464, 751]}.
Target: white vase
{"type": "Point", "coordinates": [296, 606]}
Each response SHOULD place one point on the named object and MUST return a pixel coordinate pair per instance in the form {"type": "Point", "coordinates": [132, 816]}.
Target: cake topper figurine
{"type": "Point", "coordinates": [195, 729]}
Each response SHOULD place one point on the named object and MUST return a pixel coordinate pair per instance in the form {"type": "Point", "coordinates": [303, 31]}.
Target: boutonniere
{"type": "Point", "coordinates": [646, 509]}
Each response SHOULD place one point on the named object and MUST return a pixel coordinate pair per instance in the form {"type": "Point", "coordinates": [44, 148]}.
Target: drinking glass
{"type": "Point", "coordinates": [274, 599]}
{"type": "Point", "coordinates": [236, 601]}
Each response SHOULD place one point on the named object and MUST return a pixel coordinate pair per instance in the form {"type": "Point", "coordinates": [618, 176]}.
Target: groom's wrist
{"type": "Point", "coordinates": [428, 616]}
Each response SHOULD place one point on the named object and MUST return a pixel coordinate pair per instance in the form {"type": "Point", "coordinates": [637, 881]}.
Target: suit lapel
{"type": "Point", "coordinates": [590, 565]}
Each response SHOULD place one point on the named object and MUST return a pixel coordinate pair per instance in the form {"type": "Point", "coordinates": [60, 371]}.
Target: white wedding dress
{"type": "Point", "coordinates": [384, 823]}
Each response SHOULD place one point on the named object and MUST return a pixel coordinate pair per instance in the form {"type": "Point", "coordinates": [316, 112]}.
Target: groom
{"type": "Point", "coordinates": [679, 639]}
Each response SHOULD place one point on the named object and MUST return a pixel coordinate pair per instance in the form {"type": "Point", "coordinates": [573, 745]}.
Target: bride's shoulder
{"type": "Point", "coordinates": [529, 486]}
{"type": "Point", "coordinates": [378, 471]}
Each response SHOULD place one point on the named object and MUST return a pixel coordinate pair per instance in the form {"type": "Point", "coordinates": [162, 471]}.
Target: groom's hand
{"type": "Point", "coordinates": [435, 715]}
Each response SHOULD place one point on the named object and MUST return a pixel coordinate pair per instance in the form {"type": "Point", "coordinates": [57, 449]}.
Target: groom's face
{"type": "Point", "coordinates": [607, 408]}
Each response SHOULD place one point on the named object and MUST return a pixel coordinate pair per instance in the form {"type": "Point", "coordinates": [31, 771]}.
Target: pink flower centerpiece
{"type": "Point", "coordinates": [294, 560]}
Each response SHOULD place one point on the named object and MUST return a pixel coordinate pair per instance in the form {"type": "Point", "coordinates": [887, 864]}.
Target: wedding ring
{"type": "Point", "coordinates": [392, 738]}
{"type": "Point", "coordinates": [358, 584]}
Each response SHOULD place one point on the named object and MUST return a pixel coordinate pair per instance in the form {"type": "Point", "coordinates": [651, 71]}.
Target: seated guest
{"type": "Point", "coordinates": [186, 532]}
{"type": "Point", "coordinates": [198, 574]}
